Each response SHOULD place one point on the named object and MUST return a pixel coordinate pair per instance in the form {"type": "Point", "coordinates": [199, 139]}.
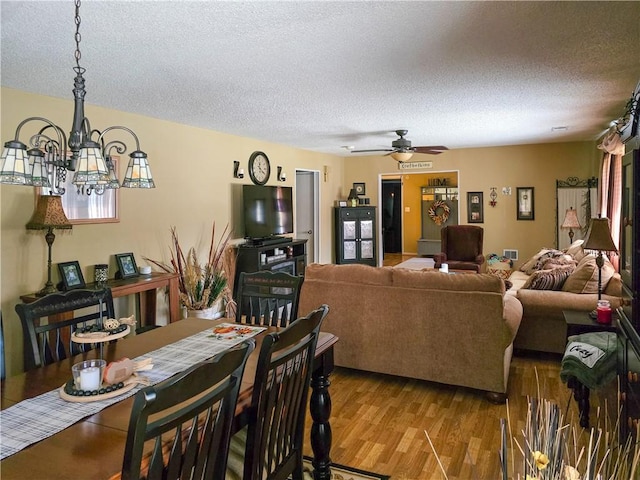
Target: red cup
{"type": "Point", "coordinates": [604, 315]}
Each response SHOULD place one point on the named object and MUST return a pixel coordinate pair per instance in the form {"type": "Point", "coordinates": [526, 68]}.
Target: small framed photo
{"type": "Point", "coordinates": [71, 275]}
{"type": "Point", "coordinates": [360, 188]}
{"type": "Point", "coordinates": [126, 265]}
{"type": "Point", "coordinates": [526, 206]}
{"type": "Point", "coordinates": [475, 207]}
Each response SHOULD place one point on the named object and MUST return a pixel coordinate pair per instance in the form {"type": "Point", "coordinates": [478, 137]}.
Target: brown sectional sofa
{"type": "Point", "coordinates": [454, 329]}
{"type": "Point", "coordinates": [543, 327]}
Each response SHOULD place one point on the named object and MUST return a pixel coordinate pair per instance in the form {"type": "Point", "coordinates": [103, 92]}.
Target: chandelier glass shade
{"type": "Point", "coordinates": [86, 153]}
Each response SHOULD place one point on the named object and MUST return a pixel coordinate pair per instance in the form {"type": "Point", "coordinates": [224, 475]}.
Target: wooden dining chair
{"type": "Point", "coordinates": [270, 448]}
{"type": "Point", "coordinates": [181, 427]}
{"type": "Point", "coordinates": [268, 298]}
{"type": "Point", "coordinates": [49, 321]}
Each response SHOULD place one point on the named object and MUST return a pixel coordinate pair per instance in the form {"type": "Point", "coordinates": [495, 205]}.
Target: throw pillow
{"type": "Point", "coordinates": [549, 279]}
{"type": "Point", "coordinates": [576, 250]}
{"type": "Point", "coordinates": [584, 278]}
{"type": "Point", "coordinates": [539, 264]}
{"type": "Point", "coordinates": [560, 261]}
{"type": "Point", "coordinates": [527, 267]}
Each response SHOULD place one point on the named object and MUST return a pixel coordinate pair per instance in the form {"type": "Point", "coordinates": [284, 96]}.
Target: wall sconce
{"type": "Point", "coordinates": [282, 176]}
{"type": "Point", "coordinates": [326, 172]}
{"type": "Point", "coordinates": [237, 171]}
{"type": "Point", "coordinates": [493, 196]}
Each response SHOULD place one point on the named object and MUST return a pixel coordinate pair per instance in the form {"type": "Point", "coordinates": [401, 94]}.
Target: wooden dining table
{"type": "Point", "coordinates": [93, 448]}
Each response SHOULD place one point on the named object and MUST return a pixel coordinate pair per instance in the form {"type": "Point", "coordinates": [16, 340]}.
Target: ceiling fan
{"type": "Point", "coordinates": [402, 150]}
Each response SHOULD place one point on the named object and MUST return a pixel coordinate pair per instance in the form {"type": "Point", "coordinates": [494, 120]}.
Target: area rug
{"type": "Point", "coordinates": [417, 263]}
{"type": "Point", "coordinates": [340, 472]}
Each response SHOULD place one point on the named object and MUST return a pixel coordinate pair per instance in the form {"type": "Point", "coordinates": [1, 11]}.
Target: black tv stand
{"type": "Point", "coordinates": [259, 242]}
{"type": "Point", "coordinates": [281, 254]}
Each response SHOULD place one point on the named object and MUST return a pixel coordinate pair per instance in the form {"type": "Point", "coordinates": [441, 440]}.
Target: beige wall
{"type": "Point", "coordinates": [193, 169]}
{"type": "Point", "coordinates": [479, 169]}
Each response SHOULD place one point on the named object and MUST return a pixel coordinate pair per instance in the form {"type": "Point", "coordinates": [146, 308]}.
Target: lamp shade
{"type": "Point", "coordinates": [599, 236]}
{"type": "Point", "coordinates": [49, 214]}
{"type": "Point", "coordinates": [401, 156]}
{"type": "Point", "coordinates": [571, 219]}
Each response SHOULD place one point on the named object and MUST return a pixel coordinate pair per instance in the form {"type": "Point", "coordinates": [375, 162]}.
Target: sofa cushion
{"type": "Point", "coordinates": [584, 278]}
{"type": "Point", "coordinates": [552, 279]}
{"type": "Point", "coordinates": [356, 273]}
{"type": "Point", "coordinates": [435, 280]}
{"type": "Point", "coordinates": [576, 250]}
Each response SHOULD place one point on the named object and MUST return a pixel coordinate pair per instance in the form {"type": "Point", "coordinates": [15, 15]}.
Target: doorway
{"type": "Point", "coordinates": [307, 223]}
{"type": "Point", "coordinates": [392, 216]}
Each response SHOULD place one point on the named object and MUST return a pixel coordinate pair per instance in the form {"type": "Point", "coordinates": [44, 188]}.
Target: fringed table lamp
{"type": "Point", "coordinates": [599, 238]}
{"type": "Point", "coordinates": [47, 216]}
{"type": "Point", "coordinates": [571, 221]}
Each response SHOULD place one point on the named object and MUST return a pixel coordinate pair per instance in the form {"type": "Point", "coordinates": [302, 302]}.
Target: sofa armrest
{"type": "Point", "coordinates": [512, 315]}
{"type": "Point", "coordinates": [479, 259]}
{"type": "Point", "coordinates": [552, 302]}
{"type": "Point", "coordinates": [439, 259]}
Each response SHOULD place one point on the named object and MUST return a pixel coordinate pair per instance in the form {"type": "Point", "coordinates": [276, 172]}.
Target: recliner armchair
{"type": "Point", "coordinates": [461, 247]}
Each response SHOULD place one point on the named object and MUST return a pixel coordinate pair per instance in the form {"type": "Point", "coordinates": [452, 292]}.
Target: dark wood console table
{"type": "Point", "coordinates": [146, 286]}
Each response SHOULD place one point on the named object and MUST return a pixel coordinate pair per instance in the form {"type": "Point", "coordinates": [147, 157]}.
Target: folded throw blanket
{"type": "Point", "coordinates": [590, 358]}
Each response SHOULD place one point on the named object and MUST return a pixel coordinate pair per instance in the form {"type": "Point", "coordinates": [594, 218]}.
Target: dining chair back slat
{"type": "Point", "coordinates": [47, 341]}
{"type": "Point", "coordinates": [276, 428]}
{"type": "Point", "coordinates": [186, 421]}
{"type": "Point", "coordinates": [268, 298]}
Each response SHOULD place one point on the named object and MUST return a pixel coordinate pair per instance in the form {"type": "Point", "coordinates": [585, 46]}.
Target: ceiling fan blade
{"type": "Point", "coordinates": [374, 150]}
{"type": "Point", "coordinates": [431, 150]}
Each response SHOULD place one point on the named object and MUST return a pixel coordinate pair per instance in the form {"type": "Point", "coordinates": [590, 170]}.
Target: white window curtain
{"type": "Point", "coordinates": [610, 199]}
{"type": "Point", "coordinates": [576, 198]}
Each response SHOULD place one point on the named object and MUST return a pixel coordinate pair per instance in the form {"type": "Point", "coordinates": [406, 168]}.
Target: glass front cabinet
{"type": "Point", "coordinates": [355, 235]}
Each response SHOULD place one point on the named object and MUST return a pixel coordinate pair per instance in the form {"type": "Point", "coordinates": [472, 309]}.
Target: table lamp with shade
{"type": "Point", "coordinates": [599, 238]}
{"type": "Point", "coordinates": [571, 221]}
{"type": "Point", "coordinates": [49, 215]}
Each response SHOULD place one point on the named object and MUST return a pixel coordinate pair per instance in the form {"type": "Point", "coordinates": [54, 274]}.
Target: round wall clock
{"type": "Point", "coordinates": [259, 168]}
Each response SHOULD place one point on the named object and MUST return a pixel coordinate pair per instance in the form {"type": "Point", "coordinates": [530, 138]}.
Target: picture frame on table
{"type": "Point", "coordinates": [360, 188]}
{"type": "Point", "coordinates": [475, 207]}
{"type": "Point", "coordinates": [71, 275]}
{"type": "Point", "coordinates": [127, 267]}
{"type": "Point", "coordinates": [526, 203]}
{"type": "Point", "coordinates": [82, 208]}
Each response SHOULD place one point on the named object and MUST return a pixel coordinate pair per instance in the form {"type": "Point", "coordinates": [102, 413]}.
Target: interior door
{"type": "Point", "coordinates": [392, 216]}
{"type": "Point", "coordinates": [307, 201]}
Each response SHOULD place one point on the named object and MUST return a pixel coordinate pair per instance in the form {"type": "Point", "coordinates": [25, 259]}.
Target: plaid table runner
{"type": "Point", "coordinates": [30, 421]}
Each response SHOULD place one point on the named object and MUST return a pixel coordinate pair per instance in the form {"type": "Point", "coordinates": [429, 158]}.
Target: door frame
{"type": "Point", "coordinates": [400, 175]}
{"type": "Point", "coordinates": [315, 200]}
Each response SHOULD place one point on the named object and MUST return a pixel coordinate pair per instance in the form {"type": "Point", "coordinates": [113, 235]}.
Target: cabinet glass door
{"type": "Point", "coordinates": [366, 249]}
{"type": "Point", "coordinates": [626, 237]}
{"type": "Point", "coordinates": [366, 228]}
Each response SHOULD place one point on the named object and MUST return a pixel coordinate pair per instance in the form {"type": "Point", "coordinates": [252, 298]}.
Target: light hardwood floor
{"type": "Point", "coordinates": [378, 421]}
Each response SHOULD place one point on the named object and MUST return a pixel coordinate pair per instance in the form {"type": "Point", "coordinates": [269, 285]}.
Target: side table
{"type": "Point", "coordinates": [579, 322]}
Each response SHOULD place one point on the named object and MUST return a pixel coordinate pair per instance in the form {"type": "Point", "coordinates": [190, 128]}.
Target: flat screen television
{"type": "Point", "coordinates": [268, 211]}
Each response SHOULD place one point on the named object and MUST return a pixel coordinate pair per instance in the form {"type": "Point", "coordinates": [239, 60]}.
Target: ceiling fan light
{"type": "Point", "coordinates": [401, 156]}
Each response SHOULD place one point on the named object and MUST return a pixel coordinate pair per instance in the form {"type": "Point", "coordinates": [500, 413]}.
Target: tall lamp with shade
{"type": "Point", "coordinates": [599, 238]}
{"type": "Point", "coordinates": [571, 221]}
{"type": "Point", "coordinates": [48, 216]}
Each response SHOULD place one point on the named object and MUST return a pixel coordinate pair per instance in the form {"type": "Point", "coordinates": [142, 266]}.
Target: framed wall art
{"type": "Point", "coordinates": [360, 188]}
{"type": "Point", "coordinates": [83, 208]}
{"type": "Point", "coordinates": [127, 267]}
{"type": "Point", "coordinates": [526, 205]}
{"type": "Point", "coordinates": [475, 207]}
{"type": "Point", "coordinates": [71, 275]}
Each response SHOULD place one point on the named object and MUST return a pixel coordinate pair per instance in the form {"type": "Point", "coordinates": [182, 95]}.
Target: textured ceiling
{"type": "Point", "coordinates": [320, 75]}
